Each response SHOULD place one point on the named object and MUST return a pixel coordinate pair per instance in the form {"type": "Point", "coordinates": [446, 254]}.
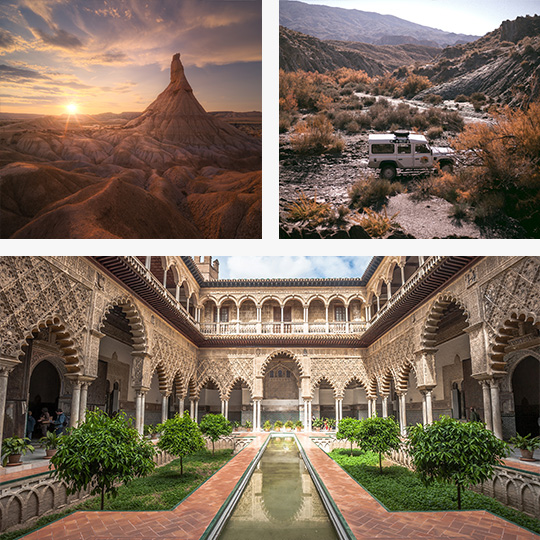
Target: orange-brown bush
{"type": "Point", "coordinates": [304, 90]}
{"type": "Point", "coordinates": [315, 135]}
{"type": "Point", "coordinates": [415, 84]}
{"type": "Point", "coordinates": [347, 75]}
{"type": "Point", "coordinates": [504, 158]}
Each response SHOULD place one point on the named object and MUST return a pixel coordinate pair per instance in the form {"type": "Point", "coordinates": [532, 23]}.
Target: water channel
{"type": "Point", "coordinates": [280, 501]}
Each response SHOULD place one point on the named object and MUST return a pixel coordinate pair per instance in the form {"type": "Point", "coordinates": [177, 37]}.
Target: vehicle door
{"type": "Point", "coordinates": [405, 155]}
{"type": "Point", "coordinates": [423, 159]}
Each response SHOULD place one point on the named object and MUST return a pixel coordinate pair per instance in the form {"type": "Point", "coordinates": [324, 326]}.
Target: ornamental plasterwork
{"type": "Point", "coordinates": [339, 371]}
{"type": "Point", "coordinates": [224, 371]}
{"type": "Point", "coordinates": [32, 292]}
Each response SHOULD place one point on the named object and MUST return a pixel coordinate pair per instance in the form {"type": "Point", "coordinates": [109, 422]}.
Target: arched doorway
{"type": "Point", "coordinates": [281, 390]}
{"type": "Point", "coordinates": [526, 388]}
{"type": "Point", "coordinates": [44, 390]}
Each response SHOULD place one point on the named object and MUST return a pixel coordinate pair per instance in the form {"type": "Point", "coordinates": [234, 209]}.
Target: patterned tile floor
{"type": "Point", "coordinates": [365, 516]}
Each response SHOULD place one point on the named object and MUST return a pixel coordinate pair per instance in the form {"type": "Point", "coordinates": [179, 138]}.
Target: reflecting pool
{"type": "Point", "coordinates": [280, 501]}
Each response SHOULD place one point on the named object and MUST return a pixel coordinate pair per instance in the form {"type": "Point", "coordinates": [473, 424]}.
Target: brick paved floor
{"type": "Point", "coordinates": [365, 516]}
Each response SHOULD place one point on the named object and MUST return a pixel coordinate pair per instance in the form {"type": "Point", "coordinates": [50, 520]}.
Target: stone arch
{"type": "Point", "coordinates": [402, 377]}
{"type": "Point", "coordinates": [138, 331]}
{"type": "Point", "coordinates": [347, 382]}
{"type": "Point", "coordinates": [14, 511]}
{"type": "Point", "coordinates": [371, 389]}
{"type": "Point", "coordinates": [317, 296]}
{"type": "Point", "coordinates": [513, 363]}
{"type": "Point", "coordinates": [31, 505]}
{"type": "Point", "coordinates": [228, 390]}
{"type": "Point", "coordinates": [245, 298]}
{"type": "Point", "coordinates": [178, 384]}
{"type": "Point", "coordinates": [504, 333]}
{"type": "Point", "coordinates": [227, 298]}
{"type": "Point", "coordinates": [323, 378]}
{"type": "Point", "coordinates": [64, 340]}
{"type": "Point", "coordinates": [286, 353]}
{"type": "Point", "coordinates": [385, 383]}
{"type": "Point", "coordinates": [164, 386]}
{"type": "Point", "coordinates": [436, 312]}
{"type": "Point", "coordinates": [203, 381]}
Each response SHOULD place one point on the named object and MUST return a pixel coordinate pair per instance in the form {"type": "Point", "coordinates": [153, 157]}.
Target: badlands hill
{"type": "Point", "coordinates": [325, 22]}
{"type": "Point", "coordinates": [173, 171]}
{"type": "Point", "coordinates": [504, 64]}
{"type": "Point", "coordinates": [299, 51]}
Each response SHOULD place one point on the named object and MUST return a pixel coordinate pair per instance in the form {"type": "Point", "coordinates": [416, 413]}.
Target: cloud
{"type": "Point", "coordinates": [6, 40]}
{"type": "Point", "coordinates": [110, 57]}
{"type": "Point", "coordinates": [12, 73]}
{"type": "Point", "coordinates": [60, 38]}
{"type": "Point", "coordinates": [292, 267]}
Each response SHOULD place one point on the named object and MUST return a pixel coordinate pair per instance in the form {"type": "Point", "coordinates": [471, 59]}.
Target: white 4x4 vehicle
{"type": "Point", "coordinates": [389, 152]}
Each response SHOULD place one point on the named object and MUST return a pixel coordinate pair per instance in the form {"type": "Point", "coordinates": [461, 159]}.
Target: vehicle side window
{"type": "Point", "coordinates": [382, 148]}
{"type": "Point", "coordinates": [404, 149]}
{"type": "Point", "coordinates": [422, 149]}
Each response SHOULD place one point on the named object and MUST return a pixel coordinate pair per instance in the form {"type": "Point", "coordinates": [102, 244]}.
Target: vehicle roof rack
{"type": "Point", "coordinates": [401, 134]}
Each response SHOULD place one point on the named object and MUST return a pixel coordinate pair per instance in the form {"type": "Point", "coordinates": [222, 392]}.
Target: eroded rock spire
{"type": "Point", "coordinates": [177, 74]}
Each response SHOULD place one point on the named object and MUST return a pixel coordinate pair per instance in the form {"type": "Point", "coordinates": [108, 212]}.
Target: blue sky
{"type": "Point", "coordinates": [474, 17]}
{"type": "Point", "coordinates": [291, 267]}
{"type": "Point", "coordinates": [115, 55]}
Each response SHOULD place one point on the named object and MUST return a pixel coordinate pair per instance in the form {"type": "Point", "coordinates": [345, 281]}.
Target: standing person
{"type": "Point", "coordinates": [30, 424]}
{"type": "Point", "coordinates": [474, 416]}
{"type": "Point", "coordinates": [44, 421]}
{"type": "Point", "coordinates": [60, 422]}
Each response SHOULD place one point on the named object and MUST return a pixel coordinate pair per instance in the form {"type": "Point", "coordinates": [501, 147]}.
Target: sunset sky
{"type": "Point", "coordinates": [115, 55]}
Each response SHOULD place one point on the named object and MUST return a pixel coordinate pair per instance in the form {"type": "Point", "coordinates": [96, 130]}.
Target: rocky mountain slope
{"type": "Point", "coordinates": [299, 51]}
{"type": "Point", "coordinates": [174, 171]}
{"type": "Point", "coordinates": [504, 64]}
{"type": "Point", "coordinates": [325, 22]}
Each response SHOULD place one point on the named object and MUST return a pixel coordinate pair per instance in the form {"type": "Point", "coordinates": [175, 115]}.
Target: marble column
{"type": "Point", "coordinates": [75, 403]}
{"type": "Point", "coordinates": [5, 370]}
{"type": "Point", "coordinates": [429, 407]}
{"type": "Point", "coordinates": [487, 404]}
{"type": "Point", "coordinates": [384, 401]}
{"type": "Point", "coordinates": [495, 408]}
{"type": "Point", "coordinates": [191, 408]}
{"type": "Point", "coordinates": [181, 406]}
{"type": "Point", "coordinates": [196, 411]}
{"type": "Point", "coordinates": [424, 416]}
{"type": "Point", "coordinates": [164, 407]}
{"type": "Point", "coordinates": [402, 414]}
{"type": "Point", "coordinates": [84, 401]}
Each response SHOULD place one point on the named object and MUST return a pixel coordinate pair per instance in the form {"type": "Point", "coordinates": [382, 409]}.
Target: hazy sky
{"type": "Point", "coordinates": [115, 55]}
{"type": "Point", "coordinates": [291, 267]}
{"type": "Point", "coordinates": [474, 17]}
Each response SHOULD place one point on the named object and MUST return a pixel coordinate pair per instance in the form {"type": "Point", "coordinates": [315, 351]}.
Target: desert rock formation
{"type": "Point", "coordinates": [174, 171]}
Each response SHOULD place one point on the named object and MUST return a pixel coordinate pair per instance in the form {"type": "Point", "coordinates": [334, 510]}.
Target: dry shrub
{"type": "Point", "coordinates": [306, 209]}
{"type": "Point", "coordinates": [434, 133]}
{"type": "Point", "coordinates": [344, 76]}
{"type": "Point", "coordinates": [504, 165]}
{"type": "Point", "coordinates": [415, 84]}
{"type": "Point", "coordinates": [315, 136]}
{"type": "Point", "coordinates": [386, 85]}
{"type": "Point", "coordinates": [376, 224]}
{"type": "Point", "coordinates": [372, 192]}
{"type": "Point", "coordinates": [305, 90]}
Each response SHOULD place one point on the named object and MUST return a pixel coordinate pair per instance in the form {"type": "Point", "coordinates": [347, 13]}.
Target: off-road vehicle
{"type": "Point", "coordinates": [389, 152]}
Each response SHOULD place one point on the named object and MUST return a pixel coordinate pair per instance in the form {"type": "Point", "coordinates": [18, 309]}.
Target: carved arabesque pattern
{"type": "Point", "coordinates": [511, 296]}
{"type": "Point", "coordinates": [224, 372]}
{"type": "Point", "coordinates": [338, 371]}
{"type": "Point", "coordinates": [35, 294]}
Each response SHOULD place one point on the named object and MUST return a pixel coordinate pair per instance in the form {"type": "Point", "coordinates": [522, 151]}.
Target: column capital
{"type": "Point", "coordinates": [141, 389]}
{"type": "Point", "coordinates": [426, 351]}
{"type": "Point", "coordinates": [7, 365]}
{"type": "Point", "coordinates": [96, 333]}
{"type": "Point", "coordinates": [426, 388]}
{"type": "Point", "coordinates": [474, 327]}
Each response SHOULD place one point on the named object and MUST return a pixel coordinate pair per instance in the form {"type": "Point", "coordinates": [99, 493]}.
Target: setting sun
{"type": "Point", "coordinates": [71, 108]}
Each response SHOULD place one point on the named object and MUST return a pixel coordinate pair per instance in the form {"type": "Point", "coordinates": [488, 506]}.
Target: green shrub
{"type": "Point", "coordinates": [215, 426]}
{"type": "Point", "coordinates": [379, 435]}
{"type": "Point", "coordinates": [459, 453]}
{"type": "Point", "coordinates": [348, 429]}
{"type": "Point", "coordinates": [101, 453]}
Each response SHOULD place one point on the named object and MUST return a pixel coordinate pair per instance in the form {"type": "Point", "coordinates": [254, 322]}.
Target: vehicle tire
{"type": "Point", "coordinates": [388, 172]}
{"type": "Point", "coordinates": [447, 168]}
